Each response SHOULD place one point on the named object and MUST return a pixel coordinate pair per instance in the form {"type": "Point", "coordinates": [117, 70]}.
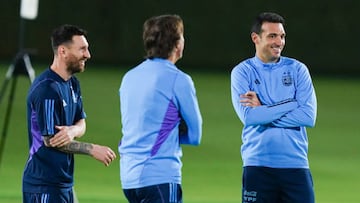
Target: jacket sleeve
{"type": "Point", "coordinates": [189, 110]}
{"type": "Point", "coordinates": [305, 113]}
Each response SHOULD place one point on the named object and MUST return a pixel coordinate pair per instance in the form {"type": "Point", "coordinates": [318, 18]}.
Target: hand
{"type": "Point", "coordinates": [183, 128]}
{"type": "Point", "coordinates": [250, 99]}
{"type": "Point", "coordinates": [103, 154]}
{"type": "Point", "coordinates": [62, 137]}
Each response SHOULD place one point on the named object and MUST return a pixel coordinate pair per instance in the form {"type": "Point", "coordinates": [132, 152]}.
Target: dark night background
{"type": "Point", "coordinates": [322, 34]}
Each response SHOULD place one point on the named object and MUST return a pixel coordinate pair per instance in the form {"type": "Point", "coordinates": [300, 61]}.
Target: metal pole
{"type": "Point", "coordinates": [7, 117]}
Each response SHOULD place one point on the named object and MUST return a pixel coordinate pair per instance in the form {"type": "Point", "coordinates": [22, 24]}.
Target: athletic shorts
{"type": "Point", "coordinates": [163, 193]}
{"type": "Point", "coordinates": [64, 197]}
{"type": "Point", "coordinates": [270, 185]}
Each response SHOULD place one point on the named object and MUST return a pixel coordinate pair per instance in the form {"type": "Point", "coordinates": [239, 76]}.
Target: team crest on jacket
{"type": "Point", "coordinates": [287, 80]}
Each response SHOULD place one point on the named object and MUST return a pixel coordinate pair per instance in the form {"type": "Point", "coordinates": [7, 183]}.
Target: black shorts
{"type": "Point", "coordinates": [163, 193]}
{"type": "Point", "coordinates": [265, 185]}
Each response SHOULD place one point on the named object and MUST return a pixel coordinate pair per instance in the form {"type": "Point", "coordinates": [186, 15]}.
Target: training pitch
{"type": "Point", "coordinates": [212, 171]}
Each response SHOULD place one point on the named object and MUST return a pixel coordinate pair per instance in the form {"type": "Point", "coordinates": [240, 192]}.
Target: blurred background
{"type": "Point", "coordinates": [323, 34]}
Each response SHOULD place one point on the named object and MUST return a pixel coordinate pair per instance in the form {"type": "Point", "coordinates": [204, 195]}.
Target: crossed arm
{"type": "Point", "coordinates": [290, 115]}
{"type": "Point", "coordinates": [64, 141]}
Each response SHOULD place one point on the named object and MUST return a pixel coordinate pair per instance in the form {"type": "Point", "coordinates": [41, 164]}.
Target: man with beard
{"type": "Point", "coordinates": [56, 118]}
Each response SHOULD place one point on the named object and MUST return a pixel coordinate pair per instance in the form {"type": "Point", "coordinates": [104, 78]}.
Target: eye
{"type": "Point", "coordinates": [84, 49]}
{"type": "Point", "coordinates": [272, 36]}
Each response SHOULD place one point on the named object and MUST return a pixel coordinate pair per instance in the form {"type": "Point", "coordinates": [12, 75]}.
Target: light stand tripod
{"type": "Point", "coordinates": [21, 66]}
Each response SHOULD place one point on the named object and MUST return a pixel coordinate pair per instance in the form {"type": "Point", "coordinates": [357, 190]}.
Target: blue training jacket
{"type": "Point", "coordinates": [154, 97]}
{"type": "Point", "coordinates": [274, 134]}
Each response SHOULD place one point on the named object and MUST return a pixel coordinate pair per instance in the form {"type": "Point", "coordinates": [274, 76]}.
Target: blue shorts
{"type": "Point", "coordinates": [263, 185]}
{"type": "Point", "coordinates": [62, 197]}
{"type": "Point", "coordinates": [163, 193]}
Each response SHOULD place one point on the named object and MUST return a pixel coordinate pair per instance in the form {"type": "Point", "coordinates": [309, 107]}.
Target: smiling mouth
{"type": "Point", "coordinates": [82, 62]}
{"type": "Point", "coordinates": [277, 49]}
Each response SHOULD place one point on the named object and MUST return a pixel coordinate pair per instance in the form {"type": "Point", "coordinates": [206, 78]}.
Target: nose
{"type": "Point", "coordinates": [280, 41]}
{"type": "Point", "coordinates": [87, 54]}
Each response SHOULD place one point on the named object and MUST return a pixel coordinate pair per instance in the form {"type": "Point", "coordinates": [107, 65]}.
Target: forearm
{"type": "Point", "coordinates": [66, 134]}
{"type": "Point", "coordinates": [192, 133]}
{"type": "Point", "coordinates": [76, 147]}
{"type": "Point", "coordinates": [263, 115]}
{"type": "Point", "coordinates": [297, 118]}
{"type": "Point", "coordinates": [189, 111]}
{"type": "Point", "coordinates": [305, 113]}
{"type": "Point", "coordinates": [78, 129]}
{"type": "Point", "coordinates": [101, 153]}
{"type": "Point", "coordinates": [192, 137]}
{"type": "Point", "coordinates": [251, 110]}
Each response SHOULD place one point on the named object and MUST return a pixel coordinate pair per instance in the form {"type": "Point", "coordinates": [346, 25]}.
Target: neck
{"type": "Point", "coordinates": [173, 57]}
{"type": "Point", "coordinates": [60, 69]}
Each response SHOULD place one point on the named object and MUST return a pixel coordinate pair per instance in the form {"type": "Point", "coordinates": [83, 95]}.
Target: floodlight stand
{"type": "Point", "coordinates": [21, 65]}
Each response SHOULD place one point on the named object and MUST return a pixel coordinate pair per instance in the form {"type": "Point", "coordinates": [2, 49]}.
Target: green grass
{"type": "Point", "coordinates": [212, 171]}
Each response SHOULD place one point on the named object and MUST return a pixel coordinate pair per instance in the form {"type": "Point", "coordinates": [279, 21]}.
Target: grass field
{"type": "Point", "coordinates": [212, 171]}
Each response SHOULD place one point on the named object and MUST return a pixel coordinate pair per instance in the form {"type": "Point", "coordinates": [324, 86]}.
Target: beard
{"type": "Point", "coordinates": [75, 65]}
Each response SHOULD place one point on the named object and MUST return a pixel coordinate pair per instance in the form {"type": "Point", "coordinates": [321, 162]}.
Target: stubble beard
{"type": "Point", "coordinates": [74, 65]}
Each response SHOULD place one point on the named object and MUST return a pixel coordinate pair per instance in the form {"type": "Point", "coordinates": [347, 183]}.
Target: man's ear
{"type": "Point", "coordinates": [61, 50]}
{"type": "Point", "coordinates": [177, 45]}
{"type": "Point", "coordinates": [254, 37]}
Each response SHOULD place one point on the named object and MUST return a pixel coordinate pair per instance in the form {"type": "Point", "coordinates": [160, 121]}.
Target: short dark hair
{"type": "Point", "coordinates": [161, 34]}
{"type": "Point", "coordinates": [64, 34]}
{"type": "Point", "coordinates": [266, 17]}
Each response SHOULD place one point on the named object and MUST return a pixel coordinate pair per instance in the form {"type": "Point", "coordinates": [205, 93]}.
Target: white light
{"type": "Point", "coordinates": [29, 9]}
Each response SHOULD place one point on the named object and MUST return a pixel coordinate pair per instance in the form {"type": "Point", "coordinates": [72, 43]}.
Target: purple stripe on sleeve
{"type": "Point", "coordinates": [36, 135]}
{"type": "Point", "coordinates": [170, 120]}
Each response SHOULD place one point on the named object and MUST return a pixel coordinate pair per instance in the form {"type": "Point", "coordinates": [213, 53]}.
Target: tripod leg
{"type": "Point", "coordinates": [3, 88]}
{"type": "Point", "coordinates": [7, 117]}
{"type": "Point", "coordinates": [29, 69]}
{"type": "Point", "coordinates": [9, 75]}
